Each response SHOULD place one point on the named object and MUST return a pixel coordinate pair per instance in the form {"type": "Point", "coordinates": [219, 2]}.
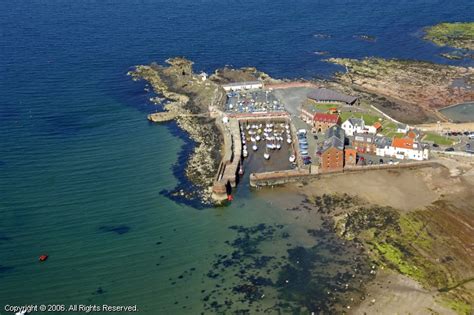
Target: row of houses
{"type": "Point", "coordinates": [335, 154]}
{"type": "Point", "coordinates": [408, 147]}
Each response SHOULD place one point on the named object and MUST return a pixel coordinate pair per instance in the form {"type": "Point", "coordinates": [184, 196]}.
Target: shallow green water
{"type": "Point", "coordinates": [460, 113]}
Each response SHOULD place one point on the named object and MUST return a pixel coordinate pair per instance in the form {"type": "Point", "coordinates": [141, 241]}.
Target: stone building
{"type": "Point", "coordinates": [322, 121]}
{"type": "Point", "coordinates": [332, 152]}
{"type": "Point", "coordinates": [364, 143]}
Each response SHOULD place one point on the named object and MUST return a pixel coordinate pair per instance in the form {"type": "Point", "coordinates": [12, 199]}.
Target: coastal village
{"type": "Point", "coordinates": [327, 134]}
{"type": "Point", "coordinates": [287, 131]}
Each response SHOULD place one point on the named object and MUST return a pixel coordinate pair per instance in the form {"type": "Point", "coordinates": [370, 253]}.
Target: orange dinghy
{"type": "Point", "coordinates": [43, 257]}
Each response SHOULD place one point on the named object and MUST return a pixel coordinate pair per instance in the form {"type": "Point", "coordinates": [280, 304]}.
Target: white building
{"type": "Point", "coordinates": [403, 148]}
{"type": "Point", "coordinates": [238, 86]}
{"type": "Point", "coordinates": [353, 125]}
{"type": "Point", "coordinates": [402, 128]}
{"type": "Point", "coordinates": [203, 76]}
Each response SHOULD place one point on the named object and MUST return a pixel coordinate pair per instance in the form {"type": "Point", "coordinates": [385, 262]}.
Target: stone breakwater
{"type": "Point", "coordinates": [189, 102]}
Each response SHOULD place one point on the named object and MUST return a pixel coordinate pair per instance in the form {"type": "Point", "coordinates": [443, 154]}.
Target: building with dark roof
{"type": "Point", "coordinates": [364, 142]}
{"type": "Point", "coordinates": [328, 96]}
{"type": "Point", "coordinates": [332, 152]}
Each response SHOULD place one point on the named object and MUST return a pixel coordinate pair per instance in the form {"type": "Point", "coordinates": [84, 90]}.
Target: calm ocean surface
{"type": "Point", "coordinates": [81, 170]}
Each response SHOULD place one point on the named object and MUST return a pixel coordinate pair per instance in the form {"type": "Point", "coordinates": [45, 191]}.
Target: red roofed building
{"type": "Point", "coordinates": [406, 148]}
{"type": "Point", "coordinates": [378, 126]}
{"type": "Point", "coordinates": [402, 143]}
{"type": "Point", "coordinates": [322, 121]}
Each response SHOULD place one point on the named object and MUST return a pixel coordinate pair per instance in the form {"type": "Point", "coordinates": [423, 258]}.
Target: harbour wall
{"type": "Point", "coordinates": [290, 176]}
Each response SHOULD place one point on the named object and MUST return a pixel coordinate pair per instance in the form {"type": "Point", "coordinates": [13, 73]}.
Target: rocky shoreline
{"type": "Point", "coordinates": [196, 104]}
{"type": "Point", "coordinates": [427, 240]}
{"type": "Point", "coordinates": [415, 90]}
{"type": "Point", "coordinates": [172, 83]}
{"type": "Point", "coordinates": [457, 35]}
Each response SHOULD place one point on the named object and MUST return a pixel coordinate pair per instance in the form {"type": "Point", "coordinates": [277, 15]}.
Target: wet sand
{"type": "Point", "coordinates": [446, 196]}
{"type": "Point", "coordinates": [402, 189]}
{"type": "Point", "coordinates": [392, 293]}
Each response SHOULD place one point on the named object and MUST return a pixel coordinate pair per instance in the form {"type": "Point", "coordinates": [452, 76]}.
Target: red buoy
{"type": "Point", "coordinates": [43, 257]}
{"type": "Point", "coordinates": [230, 198]}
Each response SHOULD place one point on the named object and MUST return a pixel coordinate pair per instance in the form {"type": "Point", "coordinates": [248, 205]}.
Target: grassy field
{"type": "Point", "coordinates": [368, 118]}
{"type": "Point", "coordinates": [441, 140]}
{"type": "Point", "coordinates": [325, 106]}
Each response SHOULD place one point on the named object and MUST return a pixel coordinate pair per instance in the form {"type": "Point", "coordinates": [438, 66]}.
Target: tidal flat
{"type": "Point", "coordinates": [422, 243]}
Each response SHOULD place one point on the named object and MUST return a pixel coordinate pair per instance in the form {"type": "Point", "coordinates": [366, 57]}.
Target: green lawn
{"type": "Point", "coordinates": [325, 106]}
{"type": "Point", "coordinates": [438, 139]}
{"type": "Point", "coordinates": [368, 118]}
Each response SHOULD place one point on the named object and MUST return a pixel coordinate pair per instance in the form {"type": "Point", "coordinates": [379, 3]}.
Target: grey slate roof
{"type": "Point", "coordinates": [331, 95]}
{"type": "Point", "coordinates": [356, 121]}
{"type": "Point", "coordinates": [334, 138]}
{"type": "Point", "coordinates": [382, 142]}
{"type": "Point", "coordinates": [364, 137]}
{"type": "Point", "coordinates": [401, 126]}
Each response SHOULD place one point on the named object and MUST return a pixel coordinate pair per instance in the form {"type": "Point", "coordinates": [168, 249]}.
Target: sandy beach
{"type": "Point", "coordinates": [443, 195]}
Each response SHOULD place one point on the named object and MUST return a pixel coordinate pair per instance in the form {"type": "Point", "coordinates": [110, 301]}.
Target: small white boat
{"type": "Point", "coordinates": [287, 127]}
{"type": "Point", "coordinates": [245, 153]}
{"type": "Point", "coordinates": [248, 127]}
{"type": "Point", "coordinates": [243, 141]}
{"type": "Point", "coordinates": [252, 138]}
{"type": "Point", "coordinates": [257, 138]}
{"type": "Point", "coordinates": [292, 158]}
{"type": "Point", "coordinates": [266, 155]}
{"type": "Point", "coordinates": [288, 140]}
{"type": "Point", "coordinates": [254, 147]}
{"type": "Point", "coordinates": [278, 146]}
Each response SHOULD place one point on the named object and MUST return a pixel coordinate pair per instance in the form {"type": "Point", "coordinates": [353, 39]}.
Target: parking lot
{"type": "Point", "coordinates": [252, 101]}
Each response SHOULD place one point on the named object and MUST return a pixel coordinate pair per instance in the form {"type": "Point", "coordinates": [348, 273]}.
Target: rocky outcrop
{"type": "Point", "coordinates": [457, 35]}
{"type": "Point", "coordinates": [189, 100]}
{"type": "Point", "coordinates": [417, 88]}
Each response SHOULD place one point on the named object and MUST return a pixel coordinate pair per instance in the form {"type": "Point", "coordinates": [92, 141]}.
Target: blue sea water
{"type": "Point", "coordinates": [81, 170]}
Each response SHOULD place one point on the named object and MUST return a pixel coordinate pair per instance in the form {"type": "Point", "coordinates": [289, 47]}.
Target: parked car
{"type": "Point", "coordinates": [390, 162]}
{"type": "Point", "coordinates": [449, 150]}
{"type": "Point", "coordinates": [381, 161]}
{"type": "Point", "coordinates": [435, 145]}
{"type": "Point", "coordinates": [371, 162]}
{"type": "Point", "coordinates": [303, 146]}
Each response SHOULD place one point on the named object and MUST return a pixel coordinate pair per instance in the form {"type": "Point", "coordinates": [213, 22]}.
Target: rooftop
{"type": "Point", "coordinates": [326, 117]}
{"type": "Point", "coordinates": [334, 138]}
{"type": "Point", "coordinates": [402, 143]}
{"type": "Point", "coordinates": [331, 95]}
{"type": "Point", "coordinates": [356, 121]}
